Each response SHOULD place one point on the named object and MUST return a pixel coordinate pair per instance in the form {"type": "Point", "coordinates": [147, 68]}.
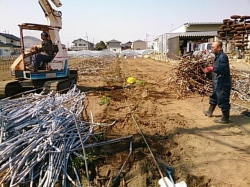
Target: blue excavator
{"type": "Point", "coordinates": [56, 76]}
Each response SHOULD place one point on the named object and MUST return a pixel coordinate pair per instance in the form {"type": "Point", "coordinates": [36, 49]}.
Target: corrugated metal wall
{"type": "Point", "coordinates": [173, 47]}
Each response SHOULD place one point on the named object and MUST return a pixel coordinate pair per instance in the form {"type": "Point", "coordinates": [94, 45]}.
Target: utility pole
{"type": "Point", "coordinates": [87, 41]}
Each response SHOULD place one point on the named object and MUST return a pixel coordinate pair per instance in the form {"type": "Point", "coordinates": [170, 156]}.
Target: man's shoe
{"type": "Point", "coordinates": [29, 68]}
{"type": "Point", "coordinates": [224, 118]}
{"type": "Point", "coordinates": [210, 110]}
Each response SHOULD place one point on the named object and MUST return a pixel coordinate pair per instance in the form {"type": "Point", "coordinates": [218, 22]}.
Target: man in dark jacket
{"type": "Point", "coordinates": [221, 83]}
{"type": "Point", "coordinates": [45, 52]}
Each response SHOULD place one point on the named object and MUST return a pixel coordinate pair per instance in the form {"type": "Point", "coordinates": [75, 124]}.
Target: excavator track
{"type": "Point", "coordinates": [13, 87]}
{"type": "Point", "coordinates": [9, 88]}
{"type": "Point", "coordinates": [59, 84]}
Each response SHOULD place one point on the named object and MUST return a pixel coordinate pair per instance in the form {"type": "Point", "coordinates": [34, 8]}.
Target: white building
{"type": "Point", "coordinates": [184, 39]}
{"type": "Point", "coordinates": [114, 45]}
{"type": "Point", "coordinates": [81, 44]}
{"type": "Point", "coordinates": [9, 45]}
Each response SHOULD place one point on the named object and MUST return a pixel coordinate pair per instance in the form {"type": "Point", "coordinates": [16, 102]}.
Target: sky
{"type": "Point", "coordinates": [127, 20]}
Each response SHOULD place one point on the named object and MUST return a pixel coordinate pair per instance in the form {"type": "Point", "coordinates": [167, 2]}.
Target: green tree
{"type": "Point", "coordinates": [100, 46]}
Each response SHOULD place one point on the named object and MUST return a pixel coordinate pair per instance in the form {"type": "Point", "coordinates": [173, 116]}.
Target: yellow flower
{"type": "Point", "coordinates": [131, 80]}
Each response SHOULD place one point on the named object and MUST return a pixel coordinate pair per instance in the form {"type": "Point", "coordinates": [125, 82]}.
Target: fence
{"type": "Point", "coordinates": [163, 58]}
{"type": "Point", "coordinates": [5, 62]}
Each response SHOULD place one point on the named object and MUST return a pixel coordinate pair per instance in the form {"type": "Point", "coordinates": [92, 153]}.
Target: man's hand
{"type": "Point", "coordinates": [33, 48]}
{"type": "Point", "coordinates": [208, 69]}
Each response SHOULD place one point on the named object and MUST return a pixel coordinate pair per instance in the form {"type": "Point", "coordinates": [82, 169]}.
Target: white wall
{"type": "Point", "coordinates": [182, 28]}
{"type": "Point", "coordinates": [156, 46]}
{"type": "Point", "coordinates": [5, 51]}
{"type": "Point", "coordinates": [115, 49]}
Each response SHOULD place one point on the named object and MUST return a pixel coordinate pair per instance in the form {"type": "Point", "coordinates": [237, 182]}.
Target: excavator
{"type": "Point", "coordinates": [58, 76]}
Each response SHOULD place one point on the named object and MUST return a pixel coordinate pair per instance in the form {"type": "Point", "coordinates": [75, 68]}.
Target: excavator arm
{"type": "Point", "coordinates": [54, 17]}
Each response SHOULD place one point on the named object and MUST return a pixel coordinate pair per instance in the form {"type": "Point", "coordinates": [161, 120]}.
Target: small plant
{"type": "Point", "coordinates": [105, 100]}
{"type": "Point", "coordinates": [141, 82]}
{"type": "Point", "coordinates": [79, 162]}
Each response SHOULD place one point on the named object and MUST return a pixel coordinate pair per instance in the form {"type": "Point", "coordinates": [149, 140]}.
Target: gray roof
{"type": "Point", "coordinates": [203, 23]}
{"type": "Point", "coordinates": [10, 36]}
{"type": "Point", "coordinates": [205, 33]}
{"type": "Point", "coordinates": [139, 41]}
{"type": "Point", "coordinates": [2, 44]}
{"type": "Point", "coordinates": [193, 34]}
{"type": "Point", "coordinates": [129, 42]}
{"type": "Point", "coordinates": [81, 40]}
{"type": "Point", "coordinates": [114, 41]}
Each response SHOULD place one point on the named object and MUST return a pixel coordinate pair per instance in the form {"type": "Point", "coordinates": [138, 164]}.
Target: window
{"type": "Point", "coordinates": [209, 46]}
{"type": "Point", "coordinates": [202, 47]}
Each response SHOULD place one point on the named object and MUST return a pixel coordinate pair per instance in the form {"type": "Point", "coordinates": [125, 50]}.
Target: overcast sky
{"type": "Point", "coordinates": [126, 20]}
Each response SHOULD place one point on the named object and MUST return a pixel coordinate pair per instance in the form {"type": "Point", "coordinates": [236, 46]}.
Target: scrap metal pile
{"type": "Point", "coordinates": [40, 134]}
{"type": "Point", "coordinates": [240, 85]}
{"type": "Point", "coordinates": [236, 31]}
{"type": "Point", "coordinates": [187, 77]}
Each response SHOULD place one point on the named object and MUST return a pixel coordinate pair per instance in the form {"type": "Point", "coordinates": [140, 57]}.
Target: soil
{"type": "Point", "coordinates": [161, 129]}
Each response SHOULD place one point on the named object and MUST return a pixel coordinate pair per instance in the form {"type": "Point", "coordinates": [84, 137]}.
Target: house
{"type": "Point", "coordinates": [114, 45]}
{"type": "Point", "coordinates": [4, 49]}
{"type": "Point", "coordinates": [126, 45]}
{"type": "Point", "coordinates": [156, 46]}
{"type": "Point", "coordinates": [185, 38]}
{"type": "Point", "coordinates": [81, 44]}
{"type": "Point", "coordinates": [9, 45]}
{"type": "Point", "coordinates": [139, 45]}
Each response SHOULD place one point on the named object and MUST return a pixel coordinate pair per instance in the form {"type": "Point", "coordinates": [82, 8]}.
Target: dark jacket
{"type": "Point", "coordinates": [221, 72]}
{"type": "Point", "coordinates": [47, 48]}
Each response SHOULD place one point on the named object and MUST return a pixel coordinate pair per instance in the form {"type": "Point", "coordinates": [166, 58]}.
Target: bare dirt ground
{"type": "Point", "coordinates": [204, 154]}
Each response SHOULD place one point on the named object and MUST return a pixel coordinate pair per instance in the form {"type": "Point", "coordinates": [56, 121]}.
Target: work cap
{"type": "Point", "coordinates": [45, 34]}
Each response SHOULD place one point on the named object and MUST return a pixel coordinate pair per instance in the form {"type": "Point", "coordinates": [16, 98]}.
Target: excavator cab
{"type": "Point", "coordinates": [56, 76]}
{"type": "Point", "coordinates": [57, 68]}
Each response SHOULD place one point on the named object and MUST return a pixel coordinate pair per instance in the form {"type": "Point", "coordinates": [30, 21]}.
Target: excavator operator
{"type": "Point", "coordinates": [45, 53]}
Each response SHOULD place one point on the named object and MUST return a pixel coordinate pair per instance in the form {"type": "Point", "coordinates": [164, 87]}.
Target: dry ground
{"type": "Point", "coordinates": [203, 153]}
{"type": "Point", "coordinates": [179, 135]}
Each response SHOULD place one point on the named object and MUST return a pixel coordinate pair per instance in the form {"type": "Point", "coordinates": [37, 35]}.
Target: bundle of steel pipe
{"type": "Point", "coordinates": [38, 135]}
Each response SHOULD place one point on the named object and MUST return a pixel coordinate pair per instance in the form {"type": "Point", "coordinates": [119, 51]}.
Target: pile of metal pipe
{"type": "Point", "coordinates": [39, 134]}
{"type": "Point", "coordinates": [240, 85]}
